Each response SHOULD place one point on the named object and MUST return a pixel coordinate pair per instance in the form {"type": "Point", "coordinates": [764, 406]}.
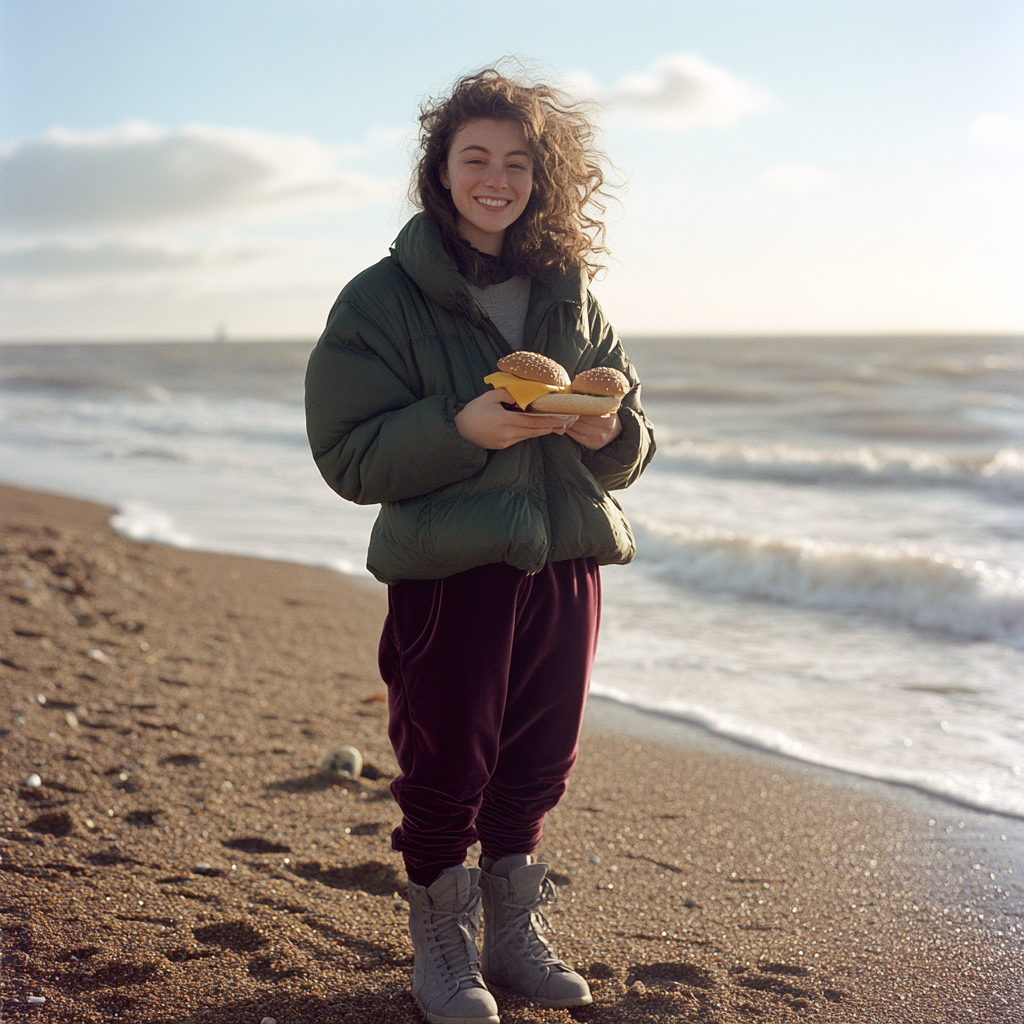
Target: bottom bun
{"type": "Point", "coordinates": [576, 405]}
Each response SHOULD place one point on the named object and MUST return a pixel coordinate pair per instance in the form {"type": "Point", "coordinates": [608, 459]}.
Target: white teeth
{"type": "Point", "coordinates": [492, 202]}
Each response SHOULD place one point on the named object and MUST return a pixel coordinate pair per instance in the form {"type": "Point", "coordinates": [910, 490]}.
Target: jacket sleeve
{"type": "Point", "coordinates": [621, 462]}
{"type": "Point", "coordinates": [373, 438]}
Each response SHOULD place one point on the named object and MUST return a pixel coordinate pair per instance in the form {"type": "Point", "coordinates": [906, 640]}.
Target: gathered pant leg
{"type": "Point", "coordinates": [487, 674]}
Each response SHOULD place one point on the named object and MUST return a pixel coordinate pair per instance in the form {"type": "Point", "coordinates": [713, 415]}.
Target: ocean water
{"type": "Point", "coordinates": [831, 538]}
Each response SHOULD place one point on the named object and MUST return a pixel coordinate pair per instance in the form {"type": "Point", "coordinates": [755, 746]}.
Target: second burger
{"type": "Point", "coordinates": [539, 384]}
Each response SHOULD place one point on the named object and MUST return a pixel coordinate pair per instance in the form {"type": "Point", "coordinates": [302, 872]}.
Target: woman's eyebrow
{"type": "Point", "coordinates": [484, 149]}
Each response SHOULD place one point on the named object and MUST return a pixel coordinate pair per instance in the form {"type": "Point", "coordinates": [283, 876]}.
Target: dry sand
{"type": "Point", "coordinates": [182, 860]}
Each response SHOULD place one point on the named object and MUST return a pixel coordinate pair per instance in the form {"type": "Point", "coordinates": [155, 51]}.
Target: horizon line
{"type": "Point", "coordinates": [626, 335]}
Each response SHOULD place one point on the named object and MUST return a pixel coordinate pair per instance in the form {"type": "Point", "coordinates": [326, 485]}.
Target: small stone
{"type": "Point", "coordinates": [37, 1000]}
{"type": "Point", "coordinates": [268, 1020]}
{"type": "Point", "coordinates": [594, 860]}
{"type": "Point", "coordinates": [201, 869]}
{"type": "Point", "coordinates": [33, 781]}
{"type": "Point", "coordinates": [345, 762]}
{"type": "Point", "coordinates": [40, 698]}
{"type": "Point", "coordinates": [97, 655]}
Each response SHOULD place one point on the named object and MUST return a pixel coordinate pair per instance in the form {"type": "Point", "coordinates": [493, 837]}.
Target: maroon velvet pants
{"type": "Point", "coordinates": [487, 674]}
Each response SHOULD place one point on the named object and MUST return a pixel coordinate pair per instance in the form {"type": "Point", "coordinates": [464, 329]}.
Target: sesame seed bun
{"type": "Point", "coordinates": [602, 380]}
{"type": "Point", "coordinates": [534, 366]}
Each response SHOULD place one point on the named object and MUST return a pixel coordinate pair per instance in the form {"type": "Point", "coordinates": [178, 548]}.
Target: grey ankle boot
{"type": "Point", "coordinates": [515, 956]}
{"type": "Point", "coordinates": [443, 922]}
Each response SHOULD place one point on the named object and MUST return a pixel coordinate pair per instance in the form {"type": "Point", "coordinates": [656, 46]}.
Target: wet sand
{"type": "Point", "coordinates": [182, 859]}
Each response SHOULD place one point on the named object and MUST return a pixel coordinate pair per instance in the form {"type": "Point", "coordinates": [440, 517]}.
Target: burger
{"type": "Point", "coordinates": [539, 384]}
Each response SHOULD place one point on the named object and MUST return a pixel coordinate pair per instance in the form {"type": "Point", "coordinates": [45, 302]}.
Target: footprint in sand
{"type": "Point", "coordinates": [237, 935]}
{"type": "Point", "coordinates": [368, 828]}
{"type": "Point", "coordinates": [373, 877]}
{"type": "Point", "coordinates": [669, 974]}
{"type": "Point", "coordinates": [254, 844]}
{"type": "Point", "coordinates": [182, 760]}
{"type": "Point", "coordinates": [53, 823]}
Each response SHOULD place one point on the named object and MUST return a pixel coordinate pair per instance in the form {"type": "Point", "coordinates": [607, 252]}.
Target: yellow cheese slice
{"type": "Point", "coordinates": [523, 391]}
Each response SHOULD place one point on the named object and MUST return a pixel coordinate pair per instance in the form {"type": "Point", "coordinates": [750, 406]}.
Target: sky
{"type": "Point", "coordinates": [204, 168]}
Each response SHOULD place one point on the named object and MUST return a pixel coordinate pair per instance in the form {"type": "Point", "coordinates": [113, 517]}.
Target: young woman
{"type": "Point", "coordinates": [493, 521]}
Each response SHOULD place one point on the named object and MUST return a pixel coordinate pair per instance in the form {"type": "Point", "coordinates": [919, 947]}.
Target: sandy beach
{"type": "Point", "coordinates": [171, 852]}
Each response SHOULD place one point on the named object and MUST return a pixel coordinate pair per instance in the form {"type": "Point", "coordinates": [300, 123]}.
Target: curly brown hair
{"type": "Point", "coordinates": [556, 231]}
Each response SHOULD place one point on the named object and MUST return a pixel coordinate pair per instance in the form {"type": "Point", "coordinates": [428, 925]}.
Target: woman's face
{"type": "Point", "coordinates": [489, 171]}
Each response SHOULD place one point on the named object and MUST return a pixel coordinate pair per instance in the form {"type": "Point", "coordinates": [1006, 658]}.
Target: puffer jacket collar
{"type": "Point", "coordinates": [418, 250]}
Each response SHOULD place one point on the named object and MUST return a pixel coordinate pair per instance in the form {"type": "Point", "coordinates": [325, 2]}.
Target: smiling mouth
{"type": "Point", "coordinates": [496, 204]}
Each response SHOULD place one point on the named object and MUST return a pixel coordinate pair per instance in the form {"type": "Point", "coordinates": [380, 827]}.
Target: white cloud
{"type": "Point", "coordinates": [138, 175]}
{"type": "Point", "coordinates": [997, 130]}
{"type": "Point", "coordinates": [680, 91]}
{"type": "Point", "coordinates": [794, 176]}
{"type": "Point", "coordinates": [118, 257]}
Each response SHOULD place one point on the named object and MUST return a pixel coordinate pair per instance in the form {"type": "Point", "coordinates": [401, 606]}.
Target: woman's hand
{"type": "Point", "coordinates": [488, 424]}
{"type": "Point", "coordinates": [595, 432]}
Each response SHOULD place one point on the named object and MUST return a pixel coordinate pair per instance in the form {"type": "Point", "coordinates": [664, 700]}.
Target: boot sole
{"type": "Point", "coordinates": [435, 1018]}
{"type": "Point", "coordinates": [548, 1004]}
{"type": "Point", "coordinates": [560, 1004]}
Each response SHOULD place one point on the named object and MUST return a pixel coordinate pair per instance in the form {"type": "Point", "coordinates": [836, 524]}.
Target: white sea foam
{"type": "Point", "coordinates": [140, 521]}
{"type": "Point", "coordinates": [971, 599]}
{"type": "Point", "coordinates": [1001, 473]}
{"type": "Point", "coordinates": [991, 790]}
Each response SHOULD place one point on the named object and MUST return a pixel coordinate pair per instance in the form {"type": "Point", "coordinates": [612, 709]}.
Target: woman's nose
{"type": "Point", "coordinates": [496, 176]}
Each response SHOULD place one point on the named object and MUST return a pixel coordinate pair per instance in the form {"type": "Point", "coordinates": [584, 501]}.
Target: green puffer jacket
{"type": "Point", "coordinates": [405, 344]}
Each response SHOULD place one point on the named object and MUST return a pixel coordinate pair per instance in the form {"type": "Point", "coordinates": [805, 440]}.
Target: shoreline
{"type": "Point", "coordinates": [605, 714]}
{"type": "Point", "coordinates": [189, 697]}
{"type": "Point", "coordinates": [624, 718]}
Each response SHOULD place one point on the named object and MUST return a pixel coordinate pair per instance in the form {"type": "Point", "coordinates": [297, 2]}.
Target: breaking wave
{"type": "Point", "coordinates": [1000, 473]}
{"type": "Point", "coordinates": [967, 598]}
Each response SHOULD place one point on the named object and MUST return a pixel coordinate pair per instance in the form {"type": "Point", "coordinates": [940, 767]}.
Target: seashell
{"type": "Point", "coordinates": [346, 762]}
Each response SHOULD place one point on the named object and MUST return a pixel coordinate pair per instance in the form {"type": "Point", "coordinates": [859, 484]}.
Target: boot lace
{"type": "Point", "coordinates": [452, 942]}
{"type": "Point", "coordinates": [531, 936]}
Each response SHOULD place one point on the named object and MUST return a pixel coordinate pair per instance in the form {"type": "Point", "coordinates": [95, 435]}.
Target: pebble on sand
{"type": "Point", "coordinates": [344, 761]}
{"type": "Point", "coordinates": [33, 781]}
